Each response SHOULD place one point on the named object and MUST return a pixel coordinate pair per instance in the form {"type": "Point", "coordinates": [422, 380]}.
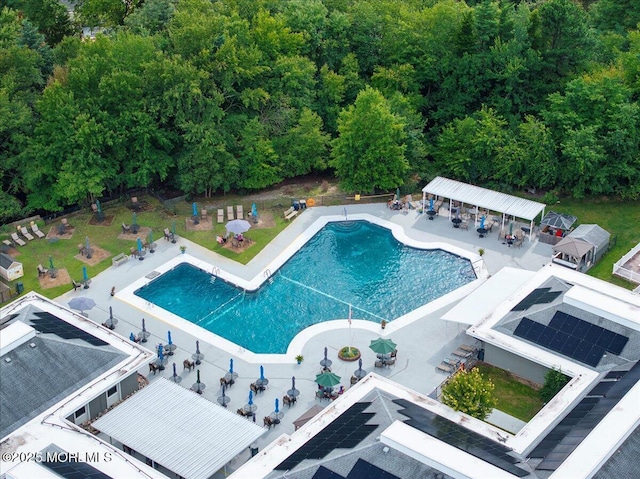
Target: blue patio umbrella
{"type": "Point", "coordinates": [231, 375]}
{"type": "Point", "coordinates": [482, 222]}
{"type": "Point", "coordinates": [161, 361]}
{"type": "Point", "coordinates": [250, 398]}
{"type": "Point", "coordinates": [175, 378]}
{"type": "Point", "coordinates": [262, 372]}
{"type": "Point", "coordinates": [262, 381]}
{"type": "Point", "coordinates": [231, 365]}
{"type": "Point", "coordinates": [140, 249]}
{"type": "Point", "coordinates": [254, 210]}
{"type": "Point", "coordinates": [132, 337]}
{"type": "Point", "coordinates": [195, 209]}
{"type": "Point", "coordinates": [170, 347]}
{"type": "Point", "coordinates": [250, 407]}
{"type": "Point", "coordinates": [85, 277]}
{"type": "Point", "coordinates": [276, 414]}
{"type": "Point", "coordinates": [431, 204]}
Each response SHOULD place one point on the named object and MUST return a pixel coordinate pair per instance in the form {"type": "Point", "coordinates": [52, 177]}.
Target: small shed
{"type": "Point", "coordinates": [10, 269]}
{"type": "Point", "coordinates": [582, 248]}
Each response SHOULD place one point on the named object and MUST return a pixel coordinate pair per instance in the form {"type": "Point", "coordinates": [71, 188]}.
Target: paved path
{"type": "Point", "coordinates": [421, 346]}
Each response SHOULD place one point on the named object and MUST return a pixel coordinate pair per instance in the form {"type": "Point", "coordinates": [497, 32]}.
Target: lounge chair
{"type": "Point", "coordinates": [167, 234]}
{"type": "Point", "coordinates": [203, 215]}
{"type": "Point", "coordinates": [135, 204]}
{"type": "Point", "coordinates": [461, 353]}
{"type": "Point", "coordinates": [65, 223]}
{"type": "Point", "coordinates": [239, 212]}
{"type": "Point", "coordinates": [26, 233]}
{"type": "Point", "coordinates": [126, 228]}
{"type": "Point", "coordinates": [7, 243]}
{"type": "Point", "coordinates": [230, 213]}
{"type": "Point", "coordinates": [36, 230]}
{"type": "Point", "coordinates": [437, 206]}
{"type": "Point", "coordinates": [445, 367]}
{"type": "Point", "coordinates": [42, 271]}
{"type": "Point", "coordinates": [16, 239]}
{"type": "Point", "coordinates": [220, 215]}
{"type": "Point", "coordinates": [76, 286]}
{"type": "Point", "coordinates": [466, 347]}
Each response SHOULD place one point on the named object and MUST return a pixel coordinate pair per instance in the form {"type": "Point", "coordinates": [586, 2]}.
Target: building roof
{"type": "Point", "coordinates": [573, 247]}
{"type": "Point", "coordinates": [558, 220]}
{"type": "Point", "coordinates": [484, 198]}
{"type": "Point", "coordinates": [594, 234]}
{"type": "Point", "coordinates": [6, 261]}
{"type": "Point", "coordinates": [204, 436]}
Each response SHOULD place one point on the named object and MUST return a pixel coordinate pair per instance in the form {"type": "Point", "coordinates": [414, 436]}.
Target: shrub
{"type": "Point", "coordinates": [554, 381]}
{"type": "Point", "coordinates": [324, 187]}
{"type": "Point", "coordinates": [469, 392]}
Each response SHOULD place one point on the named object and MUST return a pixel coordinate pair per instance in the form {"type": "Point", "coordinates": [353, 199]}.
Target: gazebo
{"type": "Point", "coordinates": [490, 200]}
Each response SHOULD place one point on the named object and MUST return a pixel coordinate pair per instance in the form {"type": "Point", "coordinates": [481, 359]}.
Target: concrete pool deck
{"type": "Point", "coordinates": [421, 345]}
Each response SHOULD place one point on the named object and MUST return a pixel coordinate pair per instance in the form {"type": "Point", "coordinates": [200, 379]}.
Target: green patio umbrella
{"type": "Point", "coordinates": [382, 346]}
{"type": "Point", "coordinates": [398, 194]}
{"type": "Point", "coordinates": [51, 262]}
{"type": "Point", "coordinates": [327, 379]}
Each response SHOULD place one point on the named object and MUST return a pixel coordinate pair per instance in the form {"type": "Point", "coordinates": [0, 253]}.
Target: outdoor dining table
{"type": "Point", "coordinates": [456, 222]}
{"type": "Point", "coordinates": [481, 232]}
{"type": "Point", "coordinates": [431, 214]}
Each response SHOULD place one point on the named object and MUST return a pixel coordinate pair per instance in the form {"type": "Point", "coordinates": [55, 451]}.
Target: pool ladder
{"type": "Point", "coordinates": [215, 272]}
{"type": "Point", "coordinates": [267, 274]}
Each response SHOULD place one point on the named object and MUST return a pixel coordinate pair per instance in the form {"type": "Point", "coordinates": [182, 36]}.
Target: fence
{"type": "Point", "coordinates": [620, 269]}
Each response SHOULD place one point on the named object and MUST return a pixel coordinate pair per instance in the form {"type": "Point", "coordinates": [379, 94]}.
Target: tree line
{"type": "Point", "coordinates": [237, 95]}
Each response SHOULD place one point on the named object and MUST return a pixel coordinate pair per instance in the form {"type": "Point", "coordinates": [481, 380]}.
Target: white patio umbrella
{"type": "Point", "coordinates": [238, 226]}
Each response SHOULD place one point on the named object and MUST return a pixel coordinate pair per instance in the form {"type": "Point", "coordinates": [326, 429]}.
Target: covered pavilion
{"type": "Point", "coordinates": [507, 205]}
{"type": "Point", "coordinates": [179, 430]}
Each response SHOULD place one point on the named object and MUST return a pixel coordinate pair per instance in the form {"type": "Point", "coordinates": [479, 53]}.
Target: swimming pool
{"type": "Point", "coordinates": [346, 264]}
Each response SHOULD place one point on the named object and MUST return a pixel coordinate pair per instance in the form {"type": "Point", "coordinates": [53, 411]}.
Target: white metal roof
{"type": "Point", "coordinates": [484, 198]}
{"type": "Point", "coordinates": [179, 429]}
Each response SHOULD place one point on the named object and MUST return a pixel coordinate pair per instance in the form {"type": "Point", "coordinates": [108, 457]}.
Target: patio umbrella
{"type": "Point", "coordinates": [132, 337]}
{"type": "Point", "coordinates": [151, 245]}
{"type": "Point", "coordinates": [87, 247]}
{"type": "Point", "coordinates": [161, 361]}
{"type": "Point", "coordinates": [82, 303]}
{"type": "Point", "coordinates": [173, 232]}
{"type": "Point", "coordinates": [85, 277]}
{"type": "Point", "coordinates": [223, 400]}
{"type": "Point", "coordinates": [170, 347]}
{"type": "Point", "coordinates": [293, 392]}
{"type": "Point", "coordinates": [431, 204]}
{"type": "Point", "coordinates": [231, 374]}
{"type": "Point", "coordinates": [98, 207]}
{"type": "Point", "coordinates": [277, 414]}
{"type": "Point", "coordinates": [327, 379]}
{"type": "Point", "coordinates": [175, 378]}
{"type": "Point", "coordinates": [51, 262]}
{"type": "Point", "coordinates": [140, 249]}
{"type": "Point", "coordinates": [238, 226]}
{"type": "Point", "coordinates": [250, 407]}
{"type": "Point", "coordinates": [254, 212]}
{"type": "Point", "coordinates": [134, 223]}
{"type": "Point", "coordinates": [398, 194]}
{"type": "Point", "coordinates": [197, 356]}
{"type": "Point", "coordinates": [360, 373]}
{"type": "Point", "coordinates": [144, 334]}
{"type": "Point", "coordinates": [325, 363]}
{"type": "Point", "coordinates": [262, 381]}
{"type": "Point", "coordinates": [482, 222]}
{"type": "Point", "coordinates": [198, 386]}
{"type": "Point", "coordinates": [111, 322]}
{"type": "Point", "coordinates": [511, 228]}
{"type": "Point", "coordinates": [382, 346]}
{"type": "Point", "coordinates": [195, 209]}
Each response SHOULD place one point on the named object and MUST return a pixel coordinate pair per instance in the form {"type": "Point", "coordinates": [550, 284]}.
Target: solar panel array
{"type": "Point", "coordinates": [75, 470]}
{"type": "Point", "coordinates": [578, 424]}
{"type": "Point", "coordinates": [573, 337]}
{"type": "Point", "coordinates": [361, 470]}
{"type": "Point", "coordinates": [346, 431]}
{"type": "Point", "coordinates": [537, 296]}
{"type": "Point", "coordinates": [460, 437]}
{"type": "Point", "coordinates": [48, 323]}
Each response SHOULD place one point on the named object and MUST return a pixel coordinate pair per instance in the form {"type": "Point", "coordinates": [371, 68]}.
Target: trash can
{"type": "Point", "coordinates": [19, 288]}
{"type": "Point", "coordinates": [296, 205]}
{"type": "Point", "coordinates": [254, 449]}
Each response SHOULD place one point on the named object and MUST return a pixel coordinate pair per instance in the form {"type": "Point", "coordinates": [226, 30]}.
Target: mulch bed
{"type": "Point", "coordinates": [98, 255]}
{"type": "Point", "coordinates": [243, 245]}
{"type": "Point", "coordinates": [61, 278]}
{"type": "Point", "coordinates": [206, 225]}
{"type": "Point", "coordinates": [142, 233]}
{"type": "Point", "coordinates": [55, 233]}
{"type": "Point", "coordinates": [265, 220]}
{"type": "Point", "coordinates": [106, 221]}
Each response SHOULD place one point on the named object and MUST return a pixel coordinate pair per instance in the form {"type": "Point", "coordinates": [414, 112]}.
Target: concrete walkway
{"type": "Point", "coordinates": [421, 346]}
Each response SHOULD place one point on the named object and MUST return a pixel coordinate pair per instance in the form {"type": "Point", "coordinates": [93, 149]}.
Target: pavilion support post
{"type": "Point", "coordinates": [531, 231]}
{"type": "Point", "coordinates": [424, 199]}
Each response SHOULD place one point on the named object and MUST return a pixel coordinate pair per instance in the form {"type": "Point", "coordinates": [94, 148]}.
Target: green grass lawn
{"type": "Point", "coordinates": [62, 252]}
{"type": "Point", "coordinates": [513, 397]}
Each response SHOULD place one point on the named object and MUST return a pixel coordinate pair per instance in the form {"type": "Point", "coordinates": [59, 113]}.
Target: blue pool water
{"type": "Point", "coordinates": [346, 263]}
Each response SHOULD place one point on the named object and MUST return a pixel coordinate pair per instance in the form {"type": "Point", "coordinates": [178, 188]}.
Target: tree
{"type": "Point", "coordinates": [554, 381]}
{"type": "Point", "coordinates": [369, 151]}
{"type": "Point", "coordinates": [469, 392]}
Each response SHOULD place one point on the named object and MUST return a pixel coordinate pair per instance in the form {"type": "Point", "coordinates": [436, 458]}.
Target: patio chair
{"type": "Point", "coordinates": [220, 215]}
{"type": "Point", "coordinates": [16, 239]}
{"type": "Point", "coordinates": [126, 228]}
{"type": "Point", "coordinates": [518, 242]}
{"type": "Point", "coordinates": [26, 233]}
{"type": "Point", "coordinates": [36, 230]}
{"type": "Point", "coordinates": [7, 243]}
{"type": "Point", "coordinates": [230, 213]}
{"type": "Point", "coordinates": [94, 208]}
{"type": "Point", "coordinates": [203, 215]}
{"type": "Point", "coordinates": [76, 285]}
{"type": "Point", "coordinates": [167, 234]}
{"type": "Point", "coordinates": [42, 271]}
{"type": "Point", "coordinates": [239, 212]}
{"type": "Point", "coordinates": [65, 223]}
{"type": "Point", "coordinates": [437, 206]}
{"type": "Point", "coordinates": [464, 225]}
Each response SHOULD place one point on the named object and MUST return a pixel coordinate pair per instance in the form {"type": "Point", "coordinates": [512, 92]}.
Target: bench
{"type": "Point", "coordinates": [290, 213]}
{"type": "Point", "coordinates": [119, 259]}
